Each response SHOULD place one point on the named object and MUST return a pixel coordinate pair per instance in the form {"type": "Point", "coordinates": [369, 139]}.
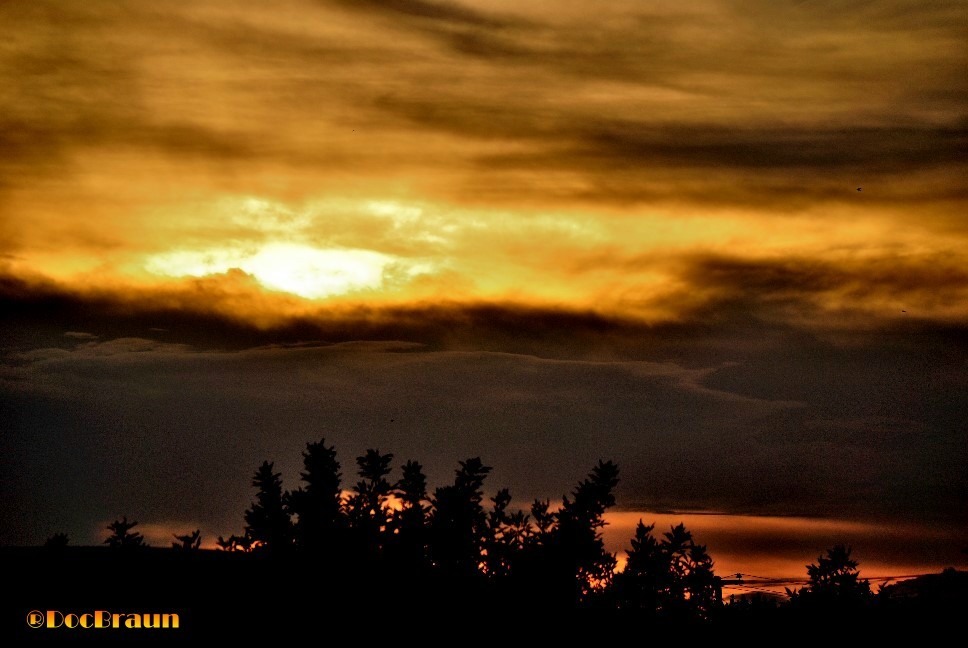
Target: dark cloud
{"type": "Point", "coordinates": [762, 166]}
{"type": "Point", "coordinates": [875, 150]}
{"type": "Point", "coordinates": [447, 12]}
{"type": "Point", "coordinates": [443, 405]}
{"type": "Point", "coordinates": [201, 313]}
{"type": "Point", "coordinates": [147, 413]}
{"type": "Point", "coordinates": [877, 289]}
{"type": "Point", "coordinates": [715, 300]}
{"type": "Point", "coordinates": [726, 410]}
{"type": "Point", "coordinates": [641, 161]}
{"type": "Point", "coordinates": [891, 273]}
{"type": "Point", "coordinates": [80, 335]}
{"type": "Point", "coordinates": [855, 291]}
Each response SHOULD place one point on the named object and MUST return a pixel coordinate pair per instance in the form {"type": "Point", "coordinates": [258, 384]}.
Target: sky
{"type": "Point", "coordinates": [722, 243]}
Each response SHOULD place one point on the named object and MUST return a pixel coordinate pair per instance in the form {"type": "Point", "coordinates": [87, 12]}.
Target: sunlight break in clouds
{"type": "Point", "coordinates": [299, 269]}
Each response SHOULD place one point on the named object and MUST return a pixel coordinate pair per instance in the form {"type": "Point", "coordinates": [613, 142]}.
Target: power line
{"type": "Point", "coordinates": [800, 579]}
{"type": "Point", "coordinates": [761, 583]}
{"type": "Point", "coordinates": [762, 590]}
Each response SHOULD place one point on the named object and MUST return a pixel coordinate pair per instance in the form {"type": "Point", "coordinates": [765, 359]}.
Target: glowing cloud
{"type": "Point", "coordinates": [299, 269]}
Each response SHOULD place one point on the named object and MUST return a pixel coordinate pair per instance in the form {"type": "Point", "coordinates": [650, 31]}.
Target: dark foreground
{"type": "Point", "coordinates": [219, 596]}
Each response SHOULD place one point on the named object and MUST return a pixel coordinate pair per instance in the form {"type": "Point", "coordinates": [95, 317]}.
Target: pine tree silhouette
{"type": "Point", "coordinates": [455, 549]}
{"type": "Point", "coordinates": [121, 536]}
{"type": "Point", "coordinates": [458, 523]}
{"type": "Point", "coordinates": [318, 505]}
{"type": "Point", "coordinates": [577, 536]}
{"type": "Point", "coordinates": [644, 583]}
{"type": "Point", "coordinates": [267, 523]}
{"type": "Point", "coordinates": [673, 577]}
{"type": "Point", "coordinates": [544, 522]}
{"type": "Point", "coordinates": [507, 534]}
{"type": "Point", "coordinates": [703, 587]}
{"type": "Point", "coordinates": [410, 522]}
{"type": "Point", "coordinates": [367, 509]}
{"type": "Point", "coordinates": [676, 545]}
{"type": "Point", "coordinates": [834, 582]}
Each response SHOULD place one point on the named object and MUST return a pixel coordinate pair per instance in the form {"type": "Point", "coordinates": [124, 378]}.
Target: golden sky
{"type": "Point", "coordinates": [636, 158]}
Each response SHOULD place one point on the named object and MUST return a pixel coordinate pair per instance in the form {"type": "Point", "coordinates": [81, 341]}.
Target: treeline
{"type": "Point", "coordinates": [396, 541]}
{"type": "Point", "coordinates": [455, 537]}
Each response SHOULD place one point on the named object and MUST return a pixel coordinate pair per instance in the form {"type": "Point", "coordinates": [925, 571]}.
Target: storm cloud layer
{"type": "Point", "coordinates": [863, 426]}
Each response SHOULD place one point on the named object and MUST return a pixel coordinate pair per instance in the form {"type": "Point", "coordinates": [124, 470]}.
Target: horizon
{"type": "Point", "coordinates": [886, 555]}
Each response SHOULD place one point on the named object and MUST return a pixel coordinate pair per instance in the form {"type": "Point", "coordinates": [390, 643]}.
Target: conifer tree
{"type": "Point", "coordinates": [267, 524]}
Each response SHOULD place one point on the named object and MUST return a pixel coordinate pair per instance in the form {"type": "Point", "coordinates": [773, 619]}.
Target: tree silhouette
{"type": "Point", "coordinates": [317, 505]}
{"type": "Point", "coordinates": [410, 522]}
{"type": "Point", "coordinates": [507, 534]}
{"type": "Point", "coordinates": [644, 583]}
{"type": "Point", "coordinates": [834, 582]}
{"type": "Point", "coordinates": [267, 523]}
{"type": "Point", "coordinates": [121, 536]}
{"type": "Point", "coordinates": [576, 534]}
{"type": "Point", "coordinates": [544, 522]}
{"type": "Point", "coordinates": [369, 515]}
{"type": "Point", "coordinates": [57, 541]}
{"type": "Point", "coordinates": [693, 588]}
{"type": "Point", "coordinates": [673, 577]}
{"type": "Point", "coordinates": [397, 546]}
{"type": "Point", "coordinates": [675, 545]}
{"type": "Point", "coordinates": [562, 562]}
{"type": "Point", "coordinates": [458, 523]}
{"type": "Point", "coordinates": [397, 541]}
{"type": "Point", "coordinates": [188, 542]}
{"type": "Point", "coordinates": [703, 587]}
{"type": "Point", "coordinates": [241, 543]}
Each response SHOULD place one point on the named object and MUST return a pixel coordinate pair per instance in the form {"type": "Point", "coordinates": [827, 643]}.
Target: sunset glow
{"type": "Point", "coordinates": [390, 176]}
{"type": "Point", "coordinates": [296, 269]}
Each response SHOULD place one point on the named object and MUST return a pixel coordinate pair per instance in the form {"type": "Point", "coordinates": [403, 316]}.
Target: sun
{"type": "Point", "coordinates": [295, 268]}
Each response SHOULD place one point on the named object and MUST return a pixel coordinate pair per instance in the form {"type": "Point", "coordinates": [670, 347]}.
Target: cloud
{"type": "Point", "coordinates": [853, 292]}
{"type": "Point", "coordinates": [748, 417]}
{"type": "Point", "coordinates": [635, 107]}
{"type": "Point", "coordinates": [217, 312]}
{"type": "Point", "coordinates": [141, 407]}
{"type": "Point", "coordinates": [780, 547]}
{"type": "Point", "coordinates": [696, 301]}
{"type": "Point", "coordinates": [699, 146]}
{"type": "Point", "coordinates": [80, 335]}
{"type": "Point", "coordinates": [132, 134]}
{"type": "Point", "coordinates": [447, 12]}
